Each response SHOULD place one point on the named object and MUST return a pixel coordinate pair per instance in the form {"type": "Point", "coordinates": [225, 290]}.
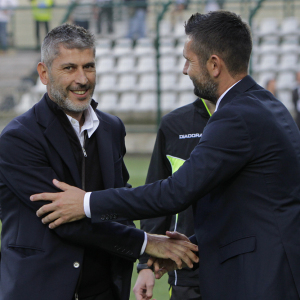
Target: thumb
{"type": "Point", "coordinates": [176, 235]}
{"type": "Point", "coordinates": [61, 185]}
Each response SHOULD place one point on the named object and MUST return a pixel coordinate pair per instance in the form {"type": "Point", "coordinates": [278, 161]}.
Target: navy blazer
{"type": "Point", "coordinates": [39, 263]}
{"type": "Point", "coordinates": [248, 228]}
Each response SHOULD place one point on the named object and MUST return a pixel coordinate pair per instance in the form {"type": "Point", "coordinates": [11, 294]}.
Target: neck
{"type": "Point", "coordinates": [77, 116]}
{"type": "Point", "coordinates": [228, 81]}
{"type": "Point", "coordinates": [211, 106]}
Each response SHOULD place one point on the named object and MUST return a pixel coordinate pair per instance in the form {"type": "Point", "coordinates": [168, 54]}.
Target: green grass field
{"type": "Point", "coordinates": [138, 167]}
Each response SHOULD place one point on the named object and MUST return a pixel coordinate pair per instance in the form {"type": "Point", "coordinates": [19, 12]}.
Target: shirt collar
{"type": "Point", "coordinates": [222, 96]}
{"type": "Point", "coordinates": [91, 122]}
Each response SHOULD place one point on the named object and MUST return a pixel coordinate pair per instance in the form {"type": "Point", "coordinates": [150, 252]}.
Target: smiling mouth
{"type": "Point", "coordinates": [80, 92]}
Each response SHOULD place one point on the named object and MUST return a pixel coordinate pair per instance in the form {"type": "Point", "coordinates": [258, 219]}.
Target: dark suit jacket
{"type": "Point", "coordinates": [39, 263]}
{"type": "Point", "coordinates": [248, 229]}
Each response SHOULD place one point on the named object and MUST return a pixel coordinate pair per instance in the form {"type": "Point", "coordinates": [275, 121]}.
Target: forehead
{"type": "Point", "coordinates": [187, 49]}
{"type": "Point", "coordinates": [74, 56]}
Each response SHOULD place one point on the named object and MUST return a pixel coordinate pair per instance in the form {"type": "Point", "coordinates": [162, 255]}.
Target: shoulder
{"type": "Point", "coordinates": [177, 114]}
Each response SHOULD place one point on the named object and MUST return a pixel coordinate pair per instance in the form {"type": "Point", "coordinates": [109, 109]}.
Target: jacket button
{"type": "Point", "coordinates": [102, 217]}
{"type": "Point", "coordinates": [76, 265]}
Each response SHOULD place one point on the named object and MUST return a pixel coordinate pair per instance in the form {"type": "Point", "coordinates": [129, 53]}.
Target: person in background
{"type": "Point", "coordinates": [104, 10]}
{"type": "Point", "coordinates": [178, 134]}
{"type": "Point", "coordinates": [137, 19]}
{"type": "Point", "coordinates": [42, 14]}
{"type": "Point", "coordinates": [5, 14]}
{"type": "Point", "coordinates": [82, 13]}
{"type": "Point", "coordinates": [177, 13]}
{"type": "Point", "coordinates": [296, 100]}
{"type": "Point", "coordinates": [271, 86]}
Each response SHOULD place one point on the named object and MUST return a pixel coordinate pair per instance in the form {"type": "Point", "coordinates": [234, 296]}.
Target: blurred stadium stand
{"type": "Point", "coordinates": [127, 71]}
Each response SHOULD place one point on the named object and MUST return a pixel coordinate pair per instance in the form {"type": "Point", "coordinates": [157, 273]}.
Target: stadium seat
{"type": "Point", "coordinates": [106, 83]}
{"type": "Point", "coordinates": [268, 26]}
{"type": "Point", "coordinates": [103, 47]}
{"type": "Point", "coordinates": [184, 83]}
{"type": "Point", "coordinates": [289, 26]}
{"type": "Point", "coordinates": [165, 28]}
{"type": "Point", "coordinates": [186, 98]}
{"type": "Point", "coordinates": [108, 101]}
{"type": "Point", "coordinates": [146, 64]}
{"type": "Point", "coordinates": [179, 30]}
{"type": "Point", "coordinates": [122, 46]}
{"type": "Point", "coordinates": [286, 81]}
{"type": "Point", "coordinates": [144, 46]}
{"type": "Point", "coordinates": [168, 82]}
{"type": "Point", "coordinates": [125, 64]}
{"type": "Point", "coordinates": [268, 62]}
{"type": "Point", "coordinates": [148, 101]}
{"type": "Point", "coordinates": [289, 48]}
{"type": "Point", "coordinates": [288, 62]}
{"type": "Point", "coordinates": [264, 77]}
{"type": "Point", "coordinates": [168, 101]}
{"type": "Point", "coordinates": [105, 65]}
{"type": "Point", "coordinates": [128, 101]}
{"type": "Point", "coordinates": [127, 82]}
{"type": "Point", "coordinates": [167, 63]}
{"type": "Point", "coordinates": [167, 46]}
{"type": "Point", "coordinates": [147, 82]}
{"type": "Point", "coordinates": [268, 49]}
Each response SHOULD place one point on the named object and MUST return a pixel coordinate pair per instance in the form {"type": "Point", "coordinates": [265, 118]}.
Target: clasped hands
{"type": "Point", "coordinates": [166, 252]}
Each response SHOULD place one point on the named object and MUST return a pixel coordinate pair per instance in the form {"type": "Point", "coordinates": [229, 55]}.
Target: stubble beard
{"type": "Point", "coordinates": [205, 87]}
{"type": "Point", "coordinates": [60, 97]}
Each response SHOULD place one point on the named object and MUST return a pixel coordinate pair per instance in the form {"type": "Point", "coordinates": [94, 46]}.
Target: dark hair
{"type": "Point", "coordinates": [68, 35]}
{"type": "Point", "coordinates": [222, 33]}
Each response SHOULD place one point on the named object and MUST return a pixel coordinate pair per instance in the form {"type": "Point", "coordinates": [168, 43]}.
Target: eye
{"type": "Point", "coordinates": [68, 68]}
{"type": "Point", "coordinates": [89, 67]}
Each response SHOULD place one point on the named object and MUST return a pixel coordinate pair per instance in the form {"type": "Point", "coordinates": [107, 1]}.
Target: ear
{"type": "Point", "coordinates": [214, 66]}
{"type": "Point", "coordinates": [43, 73]}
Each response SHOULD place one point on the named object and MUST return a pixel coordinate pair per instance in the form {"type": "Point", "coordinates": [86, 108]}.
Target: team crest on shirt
{"type": "Point", "coordinates": [190, 136]}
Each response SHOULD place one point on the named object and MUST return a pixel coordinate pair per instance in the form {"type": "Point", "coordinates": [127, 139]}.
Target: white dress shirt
{"type": "Point", "coordinates": [222, 96]}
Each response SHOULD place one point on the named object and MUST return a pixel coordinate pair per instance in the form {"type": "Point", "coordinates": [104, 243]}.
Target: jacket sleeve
{"type": "Point", "coordinates": [25, 170]}
{"type": "Point", "coordinates": [224, 149]}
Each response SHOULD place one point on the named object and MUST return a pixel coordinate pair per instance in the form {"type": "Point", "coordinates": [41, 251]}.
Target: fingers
{"type": "Point", "coordinates": [44, 197]}
{"type": "Point", "coordinates": [176, 235]}
{"type": "Point", "coordinates": [61, 185]}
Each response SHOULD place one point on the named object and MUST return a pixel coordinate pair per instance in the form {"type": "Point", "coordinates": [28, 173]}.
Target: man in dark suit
{"type": "Point", "coordinates": [247, 163]}
{"type": "Point", "coordinates": [65, 136]}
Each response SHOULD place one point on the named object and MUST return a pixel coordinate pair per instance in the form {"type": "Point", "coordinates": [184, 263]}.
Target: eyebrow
{"type": "Point", "coordinates": [68, 65]}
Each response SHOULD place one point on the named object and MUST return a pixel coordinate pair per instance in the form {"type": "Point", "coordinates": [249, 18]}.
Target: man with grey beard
{"type": "Point", "coordinates": [64, 136]}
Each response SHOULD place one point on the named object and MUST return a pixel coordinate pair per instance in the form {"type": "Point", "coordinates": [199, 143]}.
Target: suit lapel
{"type": "Point", "coordinates": [104, 142]}
{"type": "Point", "coordinates": [57, 136]}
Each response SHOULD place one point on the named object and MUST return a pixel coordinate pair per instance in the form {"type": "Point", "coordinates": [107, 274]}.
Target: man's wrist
{"type": "Point", "coordinates": [141, 267]}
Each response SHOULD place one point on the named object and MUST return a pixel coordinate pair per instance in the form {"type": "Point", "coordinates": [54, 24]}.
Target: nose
{"type": "Point", "coordinates": [185, 67]}
{"type": "Point", "coordinates": [81, 77]}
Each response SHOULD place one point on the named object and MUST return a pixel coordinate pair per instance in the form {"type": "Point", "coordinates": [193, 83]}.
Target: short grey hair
{"type": "Point", "coordinates": [70, 37]}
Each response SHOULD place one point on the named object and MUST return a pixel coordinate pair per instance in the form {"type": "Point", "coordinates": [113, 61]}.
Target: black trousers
{"type": "Point", "coordinates": [184, 292]}
{"type": "Point", "coordinates": [104, 296]}
{"type": "Point", "coordinates": [108, 12]}
{"type": "Point", "coordinates": [38, 26]}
